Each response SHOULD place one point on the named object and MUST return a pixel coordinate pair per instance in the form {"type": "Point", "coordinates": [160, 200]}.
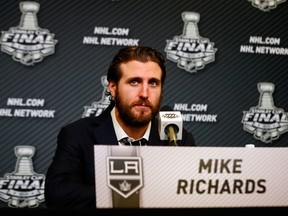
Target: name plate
{"type": "Point", "coordinates": [192, 177]}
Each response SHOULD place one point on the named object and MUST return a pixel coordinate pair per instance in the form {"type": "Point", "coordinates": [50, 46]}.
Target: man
{"type": "Point", "coordinates": [135, 81]}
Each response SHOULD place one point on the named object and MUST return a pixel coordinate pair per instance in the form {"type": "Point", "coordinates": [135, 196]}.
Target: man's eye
{"type": "Point", "coordinates": [153, 83]}
{"type": "Point", "coordinates": [134, 82]}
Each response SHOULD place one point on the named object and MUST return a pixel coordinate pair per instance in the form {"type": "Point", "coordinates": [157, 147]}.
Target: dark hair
{"type": "Point", "coordinates": [139, 53]}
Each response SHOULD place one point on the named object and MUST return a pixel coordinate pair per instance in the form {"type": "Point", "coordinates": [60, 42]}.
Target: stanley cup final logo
{"type": "Point", "coordinates": [190, 51]}
{"type": "Point", "coordinates": [96, 108]}
{"type": "Point", "coordinates": [266, 5]}
{"type": "Point", "coordinates": [265, 121]}
{"type": "Point", "coordinates": [23, 188]}
{"type": "Point", "coordinates": [27, 43]}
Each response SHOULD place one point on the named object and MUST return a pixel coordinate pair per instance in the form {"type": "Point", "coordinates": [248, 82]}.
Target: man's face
{"type": "Point", "coordinates": [138, 93]}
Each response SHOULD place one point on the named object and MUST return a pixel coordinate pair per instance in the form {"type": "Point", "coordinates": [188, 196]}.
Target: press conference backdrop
{"type": "Point", "coordinates": [226, 63]}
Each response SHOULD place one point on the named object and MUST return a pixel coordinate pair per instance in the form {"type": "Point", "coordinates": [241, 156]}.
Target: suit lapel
{"type": "Point", "coordinates": [103, 129]}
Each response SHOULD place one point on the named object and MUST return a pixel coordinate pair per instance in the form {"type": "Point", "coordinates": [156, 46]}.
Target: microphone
{"type": "Point", "coordinates": [170, 125]}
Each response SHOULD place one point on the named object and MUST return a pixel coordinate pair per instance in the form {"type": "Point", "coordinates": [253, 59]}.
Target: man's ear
{"type": "Point", "coordinates": [112, 88]}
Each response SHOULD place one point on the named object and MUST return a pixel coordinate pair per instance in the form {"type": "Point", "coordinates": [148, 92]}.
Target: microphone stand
{"type": "Point", "coordinates": [171, 136]}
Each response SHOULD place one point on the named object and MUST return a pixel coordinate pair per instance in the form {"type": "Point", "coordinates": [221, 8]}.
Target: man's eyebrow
{"type": "Point", "coordinates": [154, 79]}
{"type": "Point", "coordinates": [134, 78]}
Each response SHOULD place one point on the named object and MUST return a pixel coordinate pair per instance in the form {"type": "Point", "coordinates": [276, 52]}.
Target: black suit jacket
{"type": "Point", "coordinates": [70, 179]}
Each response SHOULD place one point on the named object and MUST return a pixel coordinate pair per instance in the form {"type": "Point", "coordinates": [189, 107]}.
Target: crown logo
{"type": "Point", "coordinates": [125, 186]}
{"type": "Point", "coordinates": [170, 115]}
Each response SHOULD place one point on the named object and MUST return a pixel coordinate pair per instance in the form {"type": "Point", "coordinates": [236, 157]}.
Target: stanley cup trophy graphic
{"type": "Point", "coordinates": [24, 165]}
{"type": "Point", "coordinates": [24, 187]}
{"type": "Point", "coordinates": [28, 43]}
{"type": "Point", "coordinates": [190, 30]}
{"type": "Point", "coordinates": [265, 121]}
{"type": "Point", "coordinates": [29, 18]}
{"type": "Point", "coordinates": [106, 95]}
{"type": "Point", "coordinates": [190, 51]}
{"type": "Point", "coordinates": [266, 103]}
{"type": "Point", "coordinates": [266, 100]}
{"type": "Point", "coordinates": [98, 107]}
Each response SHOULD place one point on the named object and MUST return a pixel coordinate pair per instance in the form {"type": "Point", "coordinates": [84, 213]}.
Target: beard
{"type": "Point", "coordinates": [136, 119]}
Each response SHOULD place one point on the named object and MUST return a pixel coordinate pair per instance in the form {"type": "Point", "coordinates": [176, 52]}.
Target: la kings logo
{"type": "Point", "coordinates": [124, 174]}
{"type": "Point", "coordinates": [190, 51]}
{"type": "Point", "coordinates": [98, 107]}
{"type": "Point", "coordinates": [265, 121]}
{"type": "Point", "coordinates": [23, 187]}
{"type": "Point", "coordinates": [266, 5]}
{"type": "Point", "coordinates": [27, 43]}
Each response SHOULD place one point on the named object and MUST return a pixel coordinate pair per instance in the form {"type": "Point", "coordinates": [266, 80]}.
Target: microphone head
{"type": "Point", "coordinates": [167, 117]}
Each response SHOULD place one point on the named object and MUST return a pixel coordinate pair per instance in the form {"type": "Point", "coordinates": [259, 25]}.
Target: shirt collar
{"type": "Point", "coordinates": [120, 133]}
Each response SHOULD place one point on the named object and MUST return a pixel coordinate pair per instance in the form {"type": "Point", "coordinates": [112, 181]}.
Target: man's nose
{"type": "Point", "coordinates": [144, 90]}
